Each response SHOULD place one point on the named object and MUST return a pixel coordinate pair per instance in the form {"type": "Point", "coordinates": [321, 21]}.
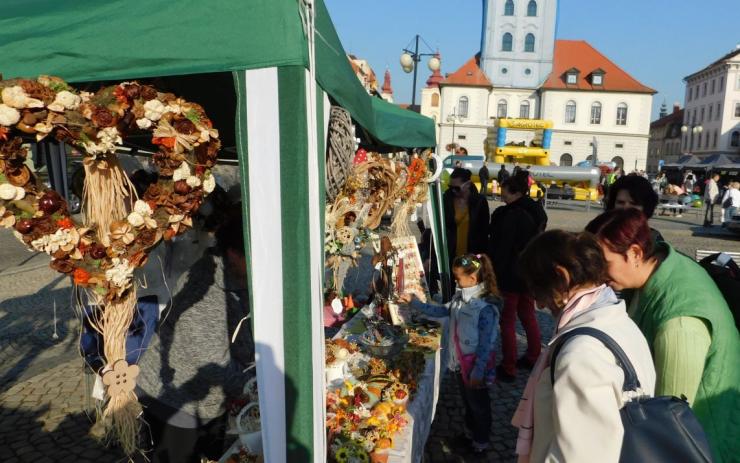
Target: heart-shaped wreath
{"type": "Point", "coordinates": [120, 229]}
{"type": "Point", "coordinates": [99, 259]}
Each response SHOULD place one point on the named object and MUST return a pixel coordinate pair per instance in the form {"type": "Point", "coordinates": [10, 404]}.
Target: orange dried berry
{"type": "Point", "coordinates": [81, 276]}
{"type": "Point", "coordinates": [66, 223]}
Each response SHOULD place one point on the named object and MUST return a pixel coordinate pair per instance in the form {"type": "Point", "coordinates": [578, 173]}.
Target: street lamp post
{"type": "Point", "coordinates": [453, 117]}
{"type": "Point", "coordinates": [692, 130]}
{"type": "Point", "coordinates": [410, 60]}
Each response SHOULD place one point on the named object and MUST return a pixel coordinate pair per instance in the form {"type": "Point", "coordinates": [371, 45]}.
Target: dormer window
{"type": "Point", "coordinates": [597, 78]}
{"type": "Point", "coordinates": [571, 76]}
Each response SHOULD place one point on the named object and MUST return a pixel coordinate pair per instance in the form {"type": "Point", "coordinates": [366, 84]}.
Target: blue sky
{"type": "Point", "coordinates": [657, 41]}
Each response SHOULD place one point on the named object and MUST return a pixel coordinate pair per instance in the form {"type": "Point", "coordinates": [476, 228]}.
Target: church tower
{"type": "Point", "coordinates": [518, 41]}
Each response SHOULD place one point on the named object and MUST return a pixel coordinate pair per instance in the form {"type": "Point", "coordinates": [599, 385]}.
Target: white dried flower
{"type": "Point", "coordinates": [135, 219]}
{"type": "Point", "coordinates": [9, 115]}
{"type": "Point", "coordinates": [85, 96]}
{"type": "Point", "coordinates": [143, 123]}
{"type": "Point", "coordinates": [142, 207]}
{"type": "Point", "coordinates": [17, 98]}
{"type": "Point", "coordinates": [20, 193]}
{"type": "Point", "coordinates": [209, 183]}
{"type": "Point", "coordinates": [64, 239]}
{"type": "Point", "coordinates": [108, 139]}
{"type": "Point", "coordinates": [153, 110]}
{"type": "Point", "coordinates": [121, 273]}
{"type": "Point", "coordinates": [193, 181]}
{"type": "Point", "coordinates": [175, 218]}
{"type": "Point", "coordinates": [7, 192]}
{"type": "Point", "coordinates": [182, 172]}
{"type": "Point", "coordinates": [67, 100]}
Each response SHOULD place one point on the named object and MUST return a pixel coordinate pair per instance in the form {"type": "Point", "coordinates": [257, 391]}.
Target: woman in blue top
{"type": "Point", "coordinates": [473, 328]}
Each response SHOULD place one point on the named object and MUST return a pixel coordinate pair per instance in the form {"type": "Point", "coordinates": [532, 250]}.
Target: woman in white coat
{"type": "Point", "coordinates": [576, 418]}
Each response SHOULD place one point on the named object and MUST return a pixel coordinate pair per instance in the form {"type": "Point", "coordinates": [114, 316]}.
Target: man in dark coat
{"type": "Point", "coordinates": [503, 175]}
{"type": "Point", "coordinates": [484, 176]}
{"type": "Point", "coordinates": [466, 216]}
{"type": "Point", "coordinates": [512, 227]}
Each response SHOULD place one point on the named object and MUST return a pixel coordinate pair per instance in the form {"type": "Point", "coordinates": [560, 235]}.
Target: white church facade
{"type": "Point", "coordinates": [522, 71]}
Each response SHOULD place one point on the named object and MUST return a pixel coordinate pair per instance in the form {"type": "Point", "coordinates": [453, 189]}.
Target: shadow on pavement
{"type": "Point", "coordinates": [25, 435]}
{"type": "Point", "coordinates": [27, 328]}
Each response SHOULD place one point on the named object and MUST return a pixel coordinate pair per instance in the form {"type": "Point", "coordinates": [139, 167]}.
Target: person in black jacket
{"type": "Point", "coordinates": [466, 216]}
{"type": "Point", "coordinates": [484, 176]}
{"type": "Point", "coordinates": [503, 175]}
{"type": "Point", "coordinates": [512, 227]}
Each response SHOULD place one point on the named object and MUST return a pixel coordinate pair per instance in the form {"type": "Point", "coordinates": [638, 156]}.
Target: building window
{"type": "Point", "coordinates": [719, 111]}
{"type": "Point", "coordinates": [706, 142]}
{"type": "Point", "coordinates": [714, 141]}
{"type": "Point", "coordinates": [462, 137]}
{"type": "Point", "coordinates": [619, 145]}
{"type": "Point", "coordinates": [532, 8]}
{"type": "Point", "coordinates": [597, 79]}
{"type": "Point", "coordinates": [572, 78]}
{"type": "Point", "coordinates": [596, 113]}
{"type": "Point", "coordinates": [685, 142]}
{"type": "Point", "coordinates": [435, 99]}
{"type": "Point", "coordinates": [714, 83]}
{"type": "Point", "coordinates": [527, 71]}
{"type": "Point", "coordinates": [567, 142]}
{"type": "Point", "coordinates": [507, 43]}
{"type": "Point", "coordinates": [566, 160]}
{"type": "Point", "coordinates": [570, 112]}
{"type": "Point", "coordinates": [622, 114]}
{"type": "Point", "coordinates": [502, 108]}
{"type": "Point", "coordinates": [698, 145]}
{"type": "Point", "coordinates": [711, 107]}
{"type": "Point", "coordinates": [701, 117]}
{"type": "Point", "coordinates": [618, 161]}
{"type": "Point", "coordinates": [504, 70]}
{"type": "Point", "coordinates": [735, 139]}
{"type": "Point", "coordinates": [462, 106]}
{"type": "Point", "coordinates": [721, 83]}
{"type": "Point", "coordinates": [737, 109]}
{"type": "Point", "coordinates": [524, 110]}
{"type": "Point", "coordinates": [693, 117]}
{"type": "Point", "coordinates": [509, 8]}
{"type": "Point", "coordinates": [704, 89]}
{"type": "Point", "coordinates": [529, 42]}
{"type": "Point", "coordinates": [689, 94]}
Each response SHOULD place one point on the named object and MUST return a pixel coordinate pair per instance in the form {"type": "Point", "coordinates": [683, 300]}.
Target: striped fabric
{"type": "Point", "coordinates": [281, 132]}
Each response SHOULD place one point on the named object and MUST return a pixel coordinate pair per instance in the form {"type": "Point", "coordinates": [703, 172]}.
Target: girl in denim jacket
{"type": "Point", "coordinates": [473, 329]}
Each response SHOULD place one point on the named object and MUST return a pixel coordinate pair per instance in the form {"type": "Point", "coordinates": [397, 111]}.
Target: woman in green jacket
{"type": "Point", "coordinates": [686, 320]}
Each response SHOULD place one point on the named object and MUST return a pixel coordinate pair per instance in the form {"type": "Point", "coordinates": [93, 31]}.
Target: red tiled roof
{"type": "Point", "coordinates": [676, 117]}
{"type": "Point", "coordinates": [469, 73]}
{"type": "Point", "coordinates": [581, 55]}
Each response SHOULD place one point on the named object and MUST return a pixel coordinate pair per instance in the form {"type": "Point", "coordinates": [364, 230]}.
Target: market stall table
{"type": "Point", "coordinates": [408, 444]}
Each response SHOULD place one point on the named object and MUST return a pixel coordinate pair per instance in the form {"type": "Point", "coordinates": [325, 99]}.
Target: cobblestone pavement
{"type": "Point", "coordinates": [43, 401]}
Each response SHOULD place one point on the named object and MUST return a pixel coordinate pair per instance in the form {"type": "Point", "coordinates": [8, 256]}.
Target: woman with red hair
{"type": "Point", "coordinates": [686, 320]}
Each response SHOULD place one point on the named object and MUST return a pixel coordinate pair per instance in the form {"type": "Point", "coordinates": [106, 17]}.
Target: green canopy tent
{"type": "Point", "coordinates": [286, 61]}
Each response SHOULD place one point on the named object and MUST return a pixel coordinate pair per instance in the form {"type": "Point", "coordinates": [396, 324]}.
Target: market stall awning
{"type": "Point", "coordinates": [86, 40]}
{"type": "Point", "coordinates": [688, 160]}
{"type": "Point", "coordinates": [388, 123]}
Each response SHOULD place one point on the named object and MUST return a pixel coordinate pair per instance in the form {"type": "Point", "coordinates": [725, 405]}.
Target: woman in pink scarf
{"type": "Point", "coordinates": [576, 418]}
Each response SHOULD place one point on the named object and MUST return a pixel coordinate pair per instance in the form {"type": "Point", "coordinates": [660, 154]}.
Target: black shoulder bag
{"type": "Point", "coordinates": [656, 429]}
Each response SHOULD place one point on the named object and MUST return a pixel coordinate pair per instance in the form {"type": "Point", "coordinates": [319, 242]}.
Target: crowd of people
{"type": "Point", "coordinates": [618, 276]}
